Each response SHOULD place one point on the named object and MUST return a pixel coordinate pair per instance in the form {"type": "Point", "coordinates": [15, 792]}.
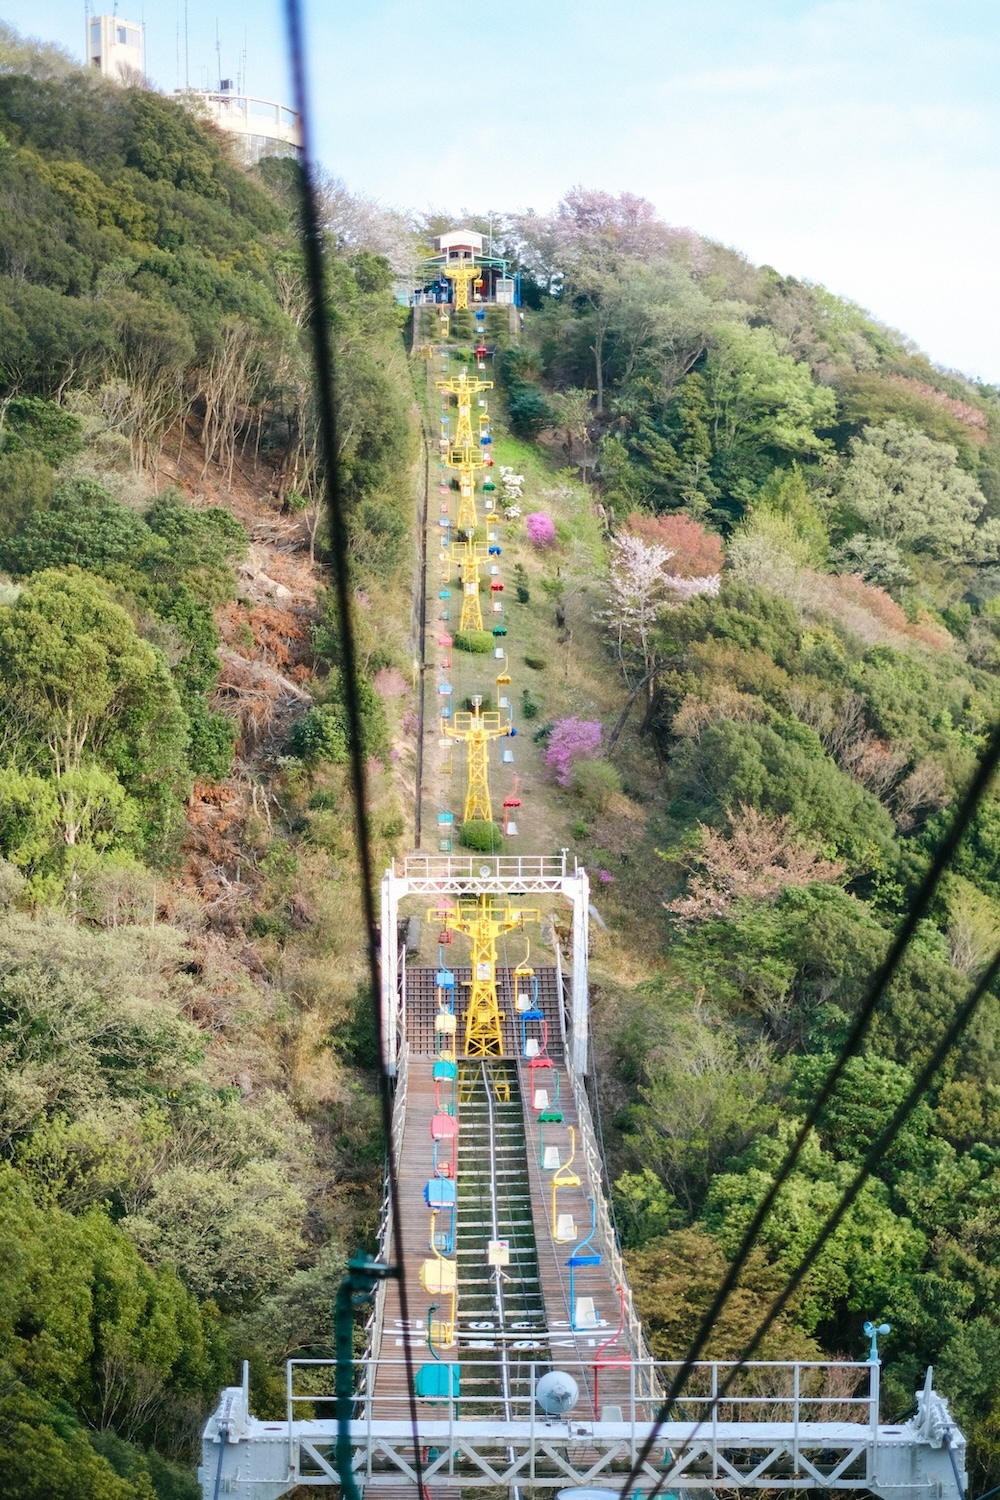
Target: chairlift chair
{"type": "Point", "coordinates": [605, 1358]}
{"type": "Point", "coordinates": [444, 1134]}
{"type": "Point", "coordinates": [563, 1228]}
{"type": "Point", "coordinates": [444, 1073]}
{"type": "Point", "coordinates": [548, 1117]}
{"type": "Point", "coordinates": [440, 1196]}
{"type": "Point", "coordinates": [583, 1256]}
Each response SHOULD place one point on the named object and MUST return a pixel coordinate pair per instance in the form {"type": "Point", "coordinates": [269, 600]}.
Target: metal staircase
{"type": "Point", "coordinates": [514, 1324]}
{"type": "Point", "coordinates": [502, 1306]}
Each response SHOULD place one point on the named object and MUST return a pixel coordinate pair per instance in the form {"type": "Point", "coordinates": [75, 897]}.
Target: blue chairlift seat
{"type": "Point", "coordinates": [582, 1256]}
{"type": "Point", "coordinates": [440, 1192]}
{"type": "Point", "coordinates": [526, 1016]}
{"type": "Point", "coordinates": [438, 1382]}
{"type": "Point", "coordinates": [444, 1069]}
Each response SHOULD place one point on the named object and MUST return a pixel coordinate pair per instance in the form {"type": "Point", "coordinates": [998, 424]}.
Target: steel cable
{"type": "Point", "coordinates": [313, 252]}
{"type": "Point", "coordinates": [876, 1154]}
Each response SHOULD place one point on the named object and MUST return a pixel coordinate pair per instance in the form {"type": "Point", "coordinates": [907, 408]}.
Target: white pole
{"type": "Point", "coordinates": [390, 922]}
{"type": "Point", "coordinates": [581, 1005]}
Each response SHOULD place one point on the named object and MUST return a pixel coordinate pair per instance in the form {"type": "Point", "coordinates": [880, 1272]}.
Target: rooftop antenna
{"type": "Point", "coordinates": [218, 55]}
{"type": "Point", "coordinates": [187, 54]}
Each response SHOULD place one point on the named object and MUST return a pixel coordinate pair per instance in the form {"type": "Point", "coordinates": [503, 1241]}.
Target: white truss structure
{"type": "Point", "coordinates": [772, 1442]}
{"type": "Point", "coordinates": [444, 875]}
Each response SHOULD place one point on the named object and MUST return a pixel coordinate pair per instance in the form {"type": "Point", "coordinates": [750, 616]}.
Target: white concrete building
{"type": "Point", "coordinates": [116, 47]}
{"type": "Point", "coordinates": [263, 126]}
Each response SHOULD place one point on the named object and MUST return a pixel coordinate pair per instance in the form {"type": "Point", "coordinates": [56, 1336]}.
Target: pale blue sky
{"type": "Point", "coordinates": [853, 142]}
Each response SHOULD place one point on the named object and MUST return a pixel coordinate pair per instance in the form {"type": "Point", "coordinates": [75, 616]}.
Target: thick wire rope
{"type": "Point", "coordinates": [312, 245]}
{"type": "Point", "coordinates": [875, 1156]}
{"type": "Point", "coordinates": [852, 1046]}
{"type": "Point", "coordinates": [883, 977]}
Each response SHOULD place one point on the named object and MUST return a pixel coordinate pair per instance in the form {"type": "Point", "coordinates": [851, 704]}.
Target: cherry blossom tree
{"type": "Point", "coordinates": [757, 859]}
{"type": "Point", "coordinates": [641, 589]}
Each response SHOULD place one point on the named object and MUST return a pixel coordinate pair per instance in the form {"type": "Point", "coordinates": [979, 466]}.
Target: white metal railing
{"type": "Point", "coordinates": [373, 1328]}
{"type": "Point", "coordinates": [800, 1394]}
{"type": "Point", "coordinates": [500, 872]}
{"type": "Point", "coordinates": [606, 1235]}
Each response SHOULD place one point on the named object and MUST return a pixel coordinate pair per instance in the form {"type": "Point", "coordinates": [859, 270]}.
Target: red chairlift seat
{"type": "Point", "coordinates": [443, 1127]}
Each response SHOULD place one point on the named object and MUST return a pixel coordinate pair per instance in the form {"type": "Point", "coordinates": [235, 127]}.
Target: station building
{"type": "Point", "coordinates": [498, 285]}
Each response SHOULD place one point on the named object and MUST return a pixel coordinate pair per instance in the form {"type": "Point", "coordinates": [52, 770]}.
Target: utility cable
{"type": "Point", "coordinates": [312, 245]}
{"type": "Point", "coordinates": [875, 1156]}
{"type": "Point", "coordinates": [880, 982]}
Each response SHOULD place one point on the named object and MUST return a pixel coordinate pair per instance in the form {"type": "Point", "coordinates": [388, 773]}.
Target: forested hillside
{"type": "Point", "coordinates": [189, 1144]}
{"type": "Point", "coordinates": [758, 579]}
{"type": "Point", "coordinates": [803, 601]}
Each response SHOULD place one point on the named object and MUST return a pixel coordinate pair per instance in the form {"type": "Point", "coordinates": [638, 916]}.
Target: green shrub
{"type": "Point", "coordinates": [579, 829]}
{"type": "Point", "coordinates": [536, 663]}
{"type": "Point", "coordinates": [521, 583]}
{"type": "Point", "coordinates": [321, 734]}
{"type": "Point", "coordinates": [323, 801]}
{"type": "Point", "coordinates": [529, 708]}
{"type": "Point", "coordinates": [484, 837]}
{"type": "Point", "coordinates": [478, 641]}
{"type": "Point", "coordinates": [528, 411]}
{"type": "Point", "coordinates": [595, 783]}
{"type": "Point", "coordinates": [213, 738]}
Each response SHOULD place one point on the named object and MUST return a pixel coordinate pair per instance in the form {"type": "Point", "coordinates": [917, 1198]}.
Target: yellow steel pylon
{"type": "Point", "coordinates": [477, 729]}
{"type": "Point", "coordinates": [464, 452]}
{"type": "Point", "coordinates": [469, 555]}
{"type": "Point", "coordinates": [461, 273]}
{"type": "Point", "coordinates": [482, 919]}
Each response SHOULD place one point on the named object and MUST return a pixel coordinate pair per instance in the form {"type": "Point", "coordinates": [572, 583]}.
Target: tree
{"type": "Point", "coordinates": [905, 488]}
{"type": "Point", "coordinates": [781, 768]}
{"type": "Point", "coordinates": [696, 552]}
{"type": "Point", "coordinates": [674, 1280]}
{"type": "Point", "coordinates": [869, 1259]}
{"type": "Point", "coordinates": [571, 411]}
{"type": "Point", "coordinates": [26, 484]}
{"type": "Point", "coordinates": [641, 588]}
{"type": "Point", "coordinates": [528, 411]}
{"type": "Point", "coordinates": [82, 687]}
{"type": "Point", "coordinates": [760, 402]}
{"type": "Point", "coordinates": [694, 445]}
{"type": "Point", "coordinates": [757, 859]}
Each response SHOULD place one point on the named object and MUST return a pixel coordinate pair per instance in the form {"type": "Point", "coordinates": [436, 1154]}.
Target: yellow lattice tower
{"type": "Point", "coordinates": [470, 556]}
{"type": "Point", "coordinates": [482, 919]}
{"type": "Point", "coordinates": [477, 729]}
{"type": "Point", "coordinates": [464, 452]}
{"type": "Point", "coordinates": [461, 273]}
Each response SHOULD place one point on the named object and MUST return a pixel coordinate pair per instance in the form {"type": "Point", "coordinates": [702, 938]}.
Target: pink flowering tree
{"type": "Point", "coordinates": [541, 528]}
{"type": "Point", "coordinates": [571, 740]}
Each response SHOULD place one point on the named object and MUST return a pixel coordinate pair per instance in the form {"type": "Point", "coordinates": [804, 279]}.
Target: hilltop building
{"type": "Point", "coordinates": [496, 286]}
{"type": "Point", "coordinates": [263, 127]}
{"type": "Point", "coordinates": [116, 47]}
